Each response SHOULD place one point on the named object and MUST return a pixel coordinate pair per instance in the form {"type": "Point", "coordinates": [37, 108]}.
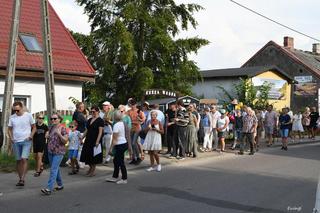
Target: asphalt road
{"type": "Point", "coordinates": [270, 181]}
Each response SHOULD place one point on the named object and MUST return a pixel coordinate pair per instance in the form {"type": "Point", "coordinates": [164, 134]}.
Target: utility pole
{"type": "Point", "coordinates": [11, 69]}
{"type": "Point", "coordinates": [47, 59]}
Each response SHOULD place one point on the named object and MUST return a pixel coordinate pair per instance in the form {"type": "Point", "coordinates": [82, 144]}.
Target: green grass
{"type": "Point", "coordinates": [8, 163]}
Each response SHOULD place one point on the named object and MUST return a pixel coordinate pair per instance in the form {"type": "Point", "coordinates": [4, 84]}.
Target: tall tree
{"type": "Point", "coordinates": [135, 46]}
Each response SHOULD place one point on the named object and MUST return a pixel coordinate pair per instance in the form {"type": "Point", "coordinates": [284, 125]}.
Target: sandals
{"type": "Point", "coordinates": [72, 172]}
{"type": "Point", "coordinates": [20, 183]}
{"type": "Point", "coordinates": [37, 174]}
{"type": "Point", "coordinates": [46, 191]}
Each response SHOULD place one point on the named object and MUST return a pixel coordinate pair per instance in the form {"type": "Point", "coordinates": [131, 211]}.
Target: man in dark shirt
{"type": "Point", "coordinates": [284, 122]}
{"type": "Point", "coordinates": [314, 116]}
{"type": "Point", "coordinates": [171, 127]}
{"type": "Point", "coordinates": [79, 117]}
{"type": "Point", "coordinates": [181, 122]}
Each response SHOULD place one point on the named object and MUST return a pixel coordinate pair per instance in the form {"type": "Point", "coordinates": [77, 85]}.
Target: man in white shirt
{"type": "Point", "coordinates": [215, 116]}
{"type": "Point", "coordinates": [20, 125]}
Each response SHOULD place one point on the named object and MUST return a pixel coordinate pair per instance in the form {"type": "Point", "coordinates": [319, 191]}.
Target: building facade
{"type": "Point", "coordinates": [302, 66]}
{"type": "Point", "coordinates": [71, 68]}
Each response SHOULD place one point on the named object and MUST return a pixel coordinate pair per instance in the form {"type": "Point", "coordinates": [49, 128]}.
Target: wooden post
{"type": "Point", "coordinates": [47, 59]}
{"type": "Point", "coordinates": [11, 68]}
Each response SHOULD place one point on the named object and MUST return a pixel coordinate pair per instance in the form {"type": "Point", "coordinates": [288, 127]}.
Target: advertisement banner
{"type": "Point", "coordinates": [278, 89]}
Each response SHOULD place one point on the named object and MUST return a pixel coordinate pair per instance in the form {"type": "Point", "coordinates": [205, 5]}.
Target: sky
{"type": "Point", "coordinates": [234, 33]}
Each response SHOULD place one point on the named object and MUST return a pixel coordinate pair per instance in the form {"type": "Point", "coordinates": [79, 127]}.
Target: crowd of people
{"type": "Point", "coordinates": [99, 136]}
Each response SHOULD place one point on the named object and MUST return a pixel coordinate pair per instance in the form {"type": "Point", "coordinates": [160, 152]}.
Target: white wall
{"type": "Point", "coordinates": [34, 91]}
{"type": "Point", "coordinates": [208, 88]}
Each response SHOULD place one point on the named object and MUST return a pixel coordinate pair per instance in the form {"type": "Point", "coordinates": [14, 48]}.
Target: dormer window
{"type": "Point", "coordinates": [30, 42]}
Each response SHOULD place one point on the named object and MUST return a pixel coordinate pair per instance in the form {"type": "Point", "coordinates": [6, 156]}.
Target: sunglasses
{"type": "Point", "coordinates": [71, 126]}
{"type": "Point", "coordinates": [53, 118]}
{"type": "Point", "coordinates": [41, 118]}
{"type": "Point", "coordinates": [92, 111]}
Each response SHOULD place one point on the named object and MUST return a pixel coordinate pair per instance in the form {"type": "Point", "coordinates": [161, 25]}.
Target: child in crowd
{"type": "Point", "coordinates": [74, 143]}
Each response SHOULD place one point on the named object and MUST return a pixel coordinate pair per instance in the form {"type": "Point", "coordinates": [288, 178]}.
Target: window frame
{"type": "Point", "coordinates": [26, 46]}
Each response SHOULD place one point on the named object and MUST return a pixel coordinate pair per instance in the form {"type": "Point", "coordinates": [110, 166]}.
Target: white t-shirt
{"type": "Point", "coordinates": [119, 128]}
{"type": "Point", "coordinates": [215, 118]}
{"type": "Point", "coordinates": [21, 126]}
{"type": "Point", "coordinates": [221, 122]}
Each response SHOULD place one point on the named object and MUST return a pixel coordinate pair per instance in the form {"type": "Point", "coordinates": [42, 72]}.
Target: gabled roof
{"type": "Point", "coordinates": [309, 60]}
{"type": "Point", "coordinates": [67, 57]}
{"type": "Point", "coordinates": [242, 72]}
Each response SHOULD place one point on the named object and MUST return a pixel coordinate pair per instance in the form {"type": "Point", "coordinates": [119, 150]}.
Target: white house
{"type": "Point", "coordinates": [71, 68]}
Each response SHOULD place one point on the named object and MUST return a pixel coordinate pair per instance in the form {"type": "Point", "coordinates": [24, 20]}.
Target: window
{"type": "Point", "coordinates": [30, 43]}
{"type": "Point", "coordinates": [26, 100]}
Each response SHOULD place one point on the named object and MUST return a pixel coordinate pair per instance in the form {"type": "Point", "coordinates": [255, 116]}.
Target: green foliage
{"type": "Point", "coordinates": [226, 95]}
{"type": "Point", "coordinates": [8, 162]}
{"type": "Point", "coordinates": [248, 94]}
{"type": "Point", "coordinates": [133, 47]}
{"type": "Point", "coordinates": [262, 99]}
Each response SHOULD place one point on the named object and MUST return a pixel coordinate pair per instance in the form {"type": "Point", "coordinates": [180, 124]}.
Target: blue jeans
{"type": "Point", "coordinates": [54, 160]}
{"type": "Point", "coordinates": [134, 145]}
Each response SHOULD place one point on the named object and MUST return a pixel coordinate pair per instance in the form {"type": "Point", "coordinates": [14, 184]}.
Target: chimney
{"type": "Point", "coordinates": [288, 42]}
{"type": "Point", "coordinates": [316, 48]}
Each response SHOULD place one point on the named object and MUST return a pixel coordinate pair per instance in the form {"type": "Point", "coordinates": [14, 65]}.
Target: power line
{"type": "Point", "coordinates": [276, 22]}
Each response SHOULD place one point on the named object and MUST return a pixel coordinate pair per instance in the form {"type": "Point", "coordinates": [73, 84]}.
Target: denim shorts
{"type": "Point", "coordinates": [284, 133]}
{"type": "Point", "coordinates": [268, 130]}
{"type": "Point", "coordinates": [73, 153]}
{"type": "Point", "coordinates": [22, 149]}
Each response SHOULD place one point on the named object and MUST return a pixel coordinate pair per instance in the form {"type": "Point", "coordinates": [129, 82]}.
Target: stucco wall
{"type": "Point", "coordinates": [34, 91]}
{"type": "Point", "coordinates": [208, 88]}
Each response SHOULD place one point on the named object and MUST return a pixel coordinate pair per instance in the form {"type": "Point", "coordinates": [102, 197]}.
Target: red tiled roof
{"type": "Point", "coordinates": [67, 57]}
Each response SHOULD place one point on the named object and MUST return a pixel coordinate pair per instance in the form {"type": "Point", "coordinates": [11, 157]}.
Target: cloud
{"type": "Point", "coordinates": [234, 33]}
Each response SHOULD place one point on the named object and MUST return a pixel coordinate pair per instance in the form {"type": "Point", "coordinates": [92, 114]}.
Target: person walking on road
{"type": "Point", "coordinates": [181, 122]}
{"type": "Point", "coordinates": [39, 142]}
{"type": "Point", "coordinates": [58, 137]}
{"type": "Point", "coordinates": [270, 124]}
{"type": "Point", "coordinates": [120, 144]}
{"type": "Point", "coordinates": [297, 127]}
{"type": "Point", "coordinates": [93, 135]}
{"type": "Point", "coordinates": [222, 125]}
{"type": "Point", "coordinates": [207, 127]}
{"type": "Point", "coordinates": [21, 129]}
{"type": "Point", "coordinates": [314, 116]}
{"type": "Point", "coordinates": [152, 143]}
{"type": "Point", "coordinates": [215, 116]}
{"type": "Point", "coordinates": [284, 122]}
{"type": "Point", "coordinates": [250, 123]}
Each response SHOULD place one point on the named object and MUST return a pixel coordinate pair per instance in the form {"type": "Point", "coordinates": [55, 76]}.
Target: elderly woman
{"type": "Point", "coordinates": [93, 134]}
{"type": "Point", "coordinates": [192, 138]}
{"type": "Point", "coordinates": [119, 146]}
{"type": "Point", "coordinates": [152, 143]}
{"type": "Point", "coordinates": [56, 149]}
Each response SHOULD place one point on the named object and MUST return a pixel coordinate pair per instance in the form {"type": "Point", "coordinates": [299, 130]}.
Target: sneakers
{"type": "Point", "coordinates": [122, 181]}
{"type": "Point", "coordinates": [159, 168]}
{"type": "Point", "coordinates": [172, 157]}
{"type": "Point", "coordinates": [150, 169]}
{"type": "Point", "coordinates": [112, 180]}
{"type": "Point", "coordinates": [46, 191]}
{"type": "Point", "coordinates": [181, 158]}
